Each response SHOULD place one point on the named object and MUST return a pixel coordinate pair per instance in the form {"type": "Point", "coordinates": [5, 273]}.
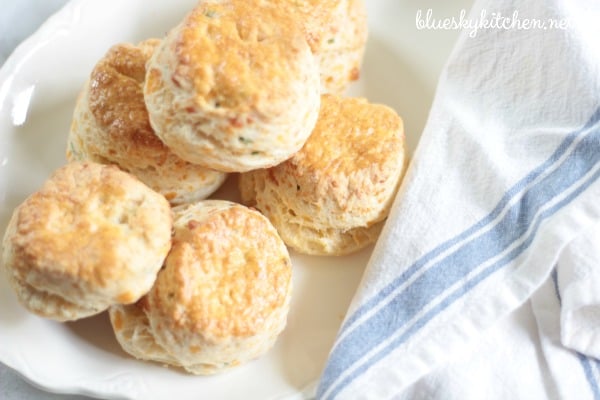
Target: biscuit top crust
{"type": "Point", "coordinates": [85, 222]}
{"type": "Point", "coordinates": [116, 101]}
{"type": "Point", "coordinates": [351, 135]}
{"type": "Point", "coordinates": [239, 55]}
{"type": "Point", "coordinates": [350, 165]}
{"type": "Point", "coordinates": [228, 270]}
{"type": "Point", "coordinates": [330, 24]}
{"type": "Point", "coordinates": [315, 16]}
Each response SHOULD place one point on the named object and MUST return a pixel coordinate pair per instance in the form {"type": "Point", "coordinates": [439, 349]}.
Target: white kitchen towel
{"type": "Point", "coordinates": [574, 375]}
{"type": "Point", "coordinates": [520, 357]}
{"type": "Point", "coordinates": [505, 175]}
{"type": "Point", "coordinates": [578, 284]}
{"type": "Point", "coordinates": [507, 362]}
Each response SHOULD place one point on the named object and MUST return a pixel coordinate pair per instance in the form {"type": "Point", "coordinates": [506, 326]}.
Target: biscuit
{"type": "Point", "coordinates": [337, 32]}
{"type": "Point", "coordinates": [92, 236]}
{"type": "Point", "coordinates": [222, 297]}
{"type": "Point", "coordinates": [234, 86]}
{"type": "Point", "coordinates": [133, 332]}
{"type": "Point", "coordinates": [111, 126]}
{"type": "Point", "coordinates": [332, 197]}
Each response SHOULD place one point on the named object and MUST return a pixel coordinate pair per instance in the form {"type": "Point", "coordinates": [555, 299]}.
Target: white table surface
{"type": "Point", "coordinates": [19, 19]}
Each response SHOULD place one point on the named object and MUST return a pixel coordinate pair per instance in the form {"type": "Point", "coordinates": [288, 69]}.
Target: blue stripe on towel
{"type": "Point", "coordinates": [468, 285]}
{"type": "Point", "coordinates": [586, 362]}
{"type": "Point", "coordinates": [502, 204]}
{"type": "Point", "coordinates": [349, 357]}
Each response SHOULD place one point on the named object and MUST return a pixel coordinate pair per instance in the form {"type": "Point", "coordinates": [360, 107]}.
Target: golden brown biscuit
{"type": "Point", "coordinates": [234, 87]}
{"type": "Point", "coordinates": [92, 236]}
{"type": "Point", "coordinates": [111, 126]}
{"type": "Point", "coordinates": [337, 33]}
{"type": "Point", "coordinates": [222, 298]}
{"type": "Point", "coordinates": [332, 197]}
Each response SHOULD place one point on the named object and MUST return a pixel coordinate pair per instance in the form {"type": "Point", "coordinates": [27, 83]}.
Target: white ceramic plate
{"type": "Point", "coordinates": [38, 87]}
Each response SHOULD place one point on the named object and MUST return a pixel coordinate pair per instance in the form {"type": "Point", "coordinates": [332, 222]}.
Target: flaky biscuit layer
{"type": "Point", "coordinates": [340, 185]}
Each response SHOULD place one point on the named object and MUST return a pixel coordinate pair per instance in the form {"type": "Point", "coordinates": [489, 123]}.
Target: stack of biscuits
{"type": "Point", "coordinates": [131, 224]}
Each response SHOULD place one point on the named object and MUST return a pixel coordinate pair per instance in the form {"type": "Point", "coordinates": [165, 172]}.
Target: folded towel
{"type": "Point", "coordinates": [520, 357]}
{"type": "Point", "coordinates": [573, 374]}
{"type": "Point", "coordinates": [504, 177]}
{"type": "Point", "coordinates": [578, 284]}
{"type": "Point", "coordinates": [504, 363]}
